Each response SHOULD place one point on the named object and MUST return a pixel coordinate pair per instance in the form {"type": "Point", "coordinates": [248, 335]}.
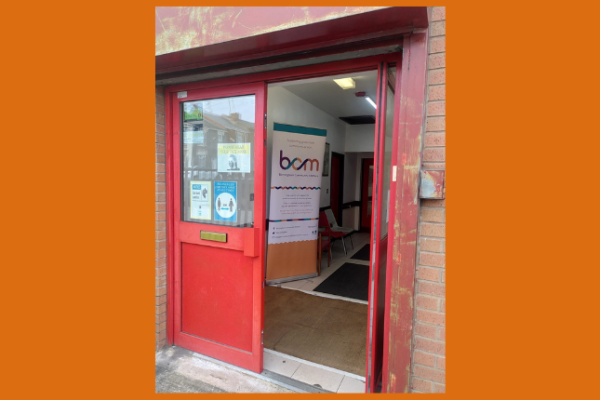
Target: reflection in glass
{"type": "Point", "coordinates": [217, 161]}
{"type": "Point", "coordinates": [387, 156]}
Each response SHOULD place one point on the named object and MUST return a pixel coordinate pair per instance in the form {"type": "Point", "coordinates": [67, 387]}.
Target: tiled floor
{"type": "Point", "coordinates": [338, 259]}
{"type": "Point", "coordinates": [313, 374]}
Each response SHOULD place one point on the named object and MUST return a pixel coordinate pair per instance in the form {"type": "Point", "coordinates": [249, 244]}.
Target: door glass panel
{"type": "Point", "coordinates": [217, 161]}
{"type": "Point", "coordinates": [387, 155]}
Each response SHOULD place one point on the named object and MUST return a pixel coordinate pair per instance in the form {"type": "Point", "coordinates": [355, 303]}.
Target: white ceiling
{"type": "Point", "coordinates": [326, 95]}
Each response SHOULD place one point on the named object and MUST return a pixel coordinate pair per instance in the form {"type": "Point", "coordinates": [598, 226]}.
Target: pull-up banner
{"type": "Point", "coordinates": [296, 170]}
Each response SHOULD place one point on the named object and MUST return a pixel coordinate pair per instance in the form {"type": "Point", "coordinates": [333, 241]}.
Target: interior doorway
{"type": "Point", "coordinates": [337, 184]}
{"type": "Point", "coordinates": [366, 200]}
{"type": "Point", "coordinates": [323, 319]}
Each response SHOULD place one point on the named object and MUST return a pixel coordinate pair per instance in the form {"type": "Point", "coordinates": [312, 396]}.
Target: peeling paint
{"type": "Point", "coordinates": [181, 28]}
{"type": "Point", "coordinates": [432, 184]}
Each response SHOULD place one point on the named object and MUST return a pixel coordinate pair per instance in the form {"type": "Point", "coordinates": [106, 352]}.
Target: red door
{"type": "Point", "coordinates": [367, 195]}
{"type": "Point", "coordinates": [219, 169]}
{"type": "Point", "coordinates": [383, 178]}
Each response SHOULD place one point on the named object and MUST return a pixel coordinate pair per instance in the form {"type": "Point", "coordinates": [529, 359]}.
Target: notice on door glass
{"type": "Point", "coordinates": [226, 201]}
{"type": "Point", "coordinates": [234, 157]}
{"type": "Point", "coordinates": [192, 111]}
{"type": "Point", "coordinates": [200, 200]}
{"type": "Point", "coordinates": [193, 137]}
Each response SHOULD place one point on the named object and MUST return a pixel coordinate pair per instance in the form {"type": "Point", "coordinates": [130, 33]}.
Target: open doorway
{"type": "Point", "coordinates": [315, 327]}
{"type": "Point", "coordinates": [366, 198]}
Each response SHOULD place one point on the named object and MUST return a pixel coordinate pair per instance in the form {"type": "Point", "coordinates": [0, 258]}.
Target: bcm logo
{"type": "Point", "coordinates": [292, 163]}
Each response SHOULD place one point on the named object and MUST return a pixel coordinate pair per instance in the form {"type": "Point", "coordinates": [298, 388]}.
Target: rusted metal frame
{"type": "Point", "coordinates": [401, 278]}
{"type": "Point", "coordinates": [392, 211]}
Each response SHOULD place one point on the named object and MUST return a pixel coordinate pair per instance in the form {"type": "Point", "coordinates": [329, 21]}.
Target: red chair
{"type": "Point", "coordinates": [325, 230]}
{"type": "Point", "coordinates": [336, 231]}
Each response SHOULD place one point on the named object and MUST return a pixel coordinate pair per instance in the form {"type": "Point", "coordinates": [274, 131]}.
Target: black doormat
{"type": "Point", "coordinates": [363, 254]}
{"type": "Point", "coordinates": [350, 280]}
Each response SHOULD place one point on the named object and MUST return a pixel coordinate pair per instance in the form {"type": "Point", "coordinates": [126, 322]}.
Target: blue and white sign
{"type": "Point", "coordinates": [226, 201]}
{"type": "Point", "coordinates": [200, 200]}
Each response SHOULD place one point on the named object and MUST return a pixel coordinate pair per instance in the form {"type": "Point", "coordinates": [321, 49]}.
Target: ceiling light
{"type": "Point", "coordinates": [346, 83]}
{"type": "Point", "coordinates": [371, 101]}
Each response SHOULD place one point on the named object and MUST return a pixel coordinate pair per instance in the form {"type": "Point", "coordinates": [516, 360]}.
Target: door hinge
{"type": "Point", "coordinates": [263, 284]}
{"type": "Point", "coordinates": [265, 121]}
{"type": "Point", "coordinates": [262, 337]}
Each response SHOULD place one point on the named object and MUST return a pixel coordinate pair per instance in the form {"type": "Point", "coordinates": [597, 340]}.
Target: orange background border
{"type": "Point", "coordinates": [78, 163]}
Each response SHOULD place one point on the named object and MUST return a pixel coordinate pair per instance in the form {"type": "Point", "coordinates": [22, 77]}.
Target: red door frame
{"type": "Point", "coordinates": [379, 249]}
{"type": "Point", "coordinates": [407, 153]}
{"type": "Point", "coordinates": [404, 214]}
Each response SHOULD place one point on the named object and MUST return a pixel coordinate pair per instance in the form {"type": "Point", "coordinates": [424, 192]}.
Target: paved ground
{"type": "Point", "coordinates": [183, 371]}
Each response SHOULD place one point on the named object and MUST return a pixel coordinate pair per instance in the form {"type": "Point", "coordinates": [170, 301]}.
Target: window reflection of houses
{"type": "Point", "coordinates": [201, 152]}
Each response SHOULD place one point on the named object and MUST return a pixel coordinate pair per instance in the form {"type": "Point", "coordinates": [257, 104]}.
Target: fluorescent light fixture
{"type": "Point", "coordinates": [371, 101]}
{"type": "Point", "coordinates": [346, 83]}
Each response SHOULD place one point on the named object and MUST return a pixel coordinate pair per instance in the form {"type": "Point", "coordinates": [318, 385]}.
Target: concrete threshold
{"type": "Point", "coordinates": [183, 371]}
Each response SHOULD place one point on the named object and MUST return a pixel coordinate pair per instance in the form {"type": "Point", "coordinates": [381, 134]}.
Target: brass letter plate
{"type": "Point", "coordinates": [214, 236]}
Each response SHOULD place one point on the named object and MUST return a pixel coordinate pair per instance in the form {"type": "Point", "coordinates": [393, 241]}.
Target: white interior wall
{"type": "Point", "coordinates": [360, 138]}
{"type": "Point", "coordinates": [287, 108]}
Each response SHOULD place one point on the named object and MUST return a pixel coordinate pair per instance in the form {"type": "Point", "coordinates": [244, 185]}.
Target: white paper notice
{"type": "Point", "coordinates": [234, 157]}
{"type": "Point", "coordinates": [200, 200]}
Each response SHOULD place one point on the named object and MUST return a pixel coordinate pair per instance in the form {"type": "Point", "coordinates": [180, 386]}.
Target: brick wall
{"type": "Point", "coordinates": [429, 336]}
{"type": "Point", "coordinates": [160, 222]}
